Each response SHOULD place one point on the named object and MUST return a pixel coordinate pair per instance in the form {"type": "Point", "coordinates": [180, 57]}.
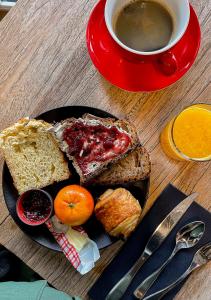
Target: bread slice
{"type": "Point", "coordinates": [135, 166]}
{"type": "Point", "coordinates": [33, 155]}
{"type": "Point", "coordinates": [89, 163]}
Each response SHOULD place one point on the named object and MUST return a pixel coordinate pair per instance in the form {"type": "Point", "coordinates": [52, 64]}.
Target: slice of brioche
{"type": "Point", "coordinates": [95, 167]}
{"type": "Point", "coordinates": [135, 166]}
{"type": "Point", "coordinates": [33, 155]}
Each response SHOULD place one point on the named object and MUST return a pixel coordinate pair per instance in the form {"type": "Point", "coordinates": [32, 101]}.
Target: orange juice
{"type": "Point", "coordinates": [188, 136]}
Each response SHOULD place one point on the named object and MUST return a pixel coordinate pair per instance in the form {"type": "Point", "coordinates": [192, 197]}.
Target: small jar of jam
{"type": "Point", "coordinates": [34, 207]}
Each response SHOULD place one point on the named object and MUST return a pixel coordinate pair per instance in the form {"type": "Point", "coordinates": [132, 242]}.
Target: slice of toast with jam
{"type": "Point", "coordinates": [93, 143]}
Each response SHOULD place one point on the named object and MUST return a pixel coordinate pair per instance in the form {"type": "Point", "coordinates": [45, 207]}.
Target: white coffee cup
{"type": "Point", "coordinates": [179, 10]}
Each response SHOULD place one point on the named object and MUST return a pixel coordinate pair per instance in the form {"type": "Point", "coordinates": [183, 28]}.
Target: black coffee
{"type": "Point", "coordinates": [144, 25]}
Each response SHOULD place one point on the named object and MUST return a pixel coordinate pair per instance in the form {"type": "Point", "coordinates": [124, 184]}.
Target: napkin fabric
{"type": "Point", "coordinates": [84, 260]}
{"type": "Point", "coordinates": [135, 245]}
{"type": "Point", "coordinates": [37, 290]}
{"type": "Point", "coordinates": [68, 249]}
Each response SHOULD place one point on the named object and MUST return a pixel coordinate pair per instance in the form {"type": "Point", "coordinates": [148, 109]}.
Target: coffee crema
{"type": "Point", "coordinates": [144, 25]}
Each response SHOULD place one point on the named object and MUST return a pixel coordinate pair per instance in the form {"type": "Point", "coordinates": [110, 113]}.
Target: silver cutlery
{"type": "Point", "coordinates": [201, 257]}
{"type": "Point", "coordinates": [157, 238]}
{"type": "Point", "coordinates": [188, 236]}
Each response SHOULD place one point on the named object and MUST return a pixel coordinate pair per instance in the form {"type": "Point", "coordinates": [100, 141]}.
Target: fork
{"type": "Point", "coordinates": [201, 257]}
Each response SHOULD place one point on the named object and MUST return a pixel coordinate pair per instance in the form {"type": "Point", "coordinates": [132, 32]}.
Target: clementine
{"type": "Point", "coordinates": [73, 205]}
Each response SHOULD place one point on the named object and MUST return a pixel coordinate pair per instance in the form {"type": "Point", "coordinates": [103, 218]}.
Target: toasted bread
{"type": "Point", "coordinates": [32, 155]}
{"type": "Point", "coordinates": [135, 166]}
{"type": "Point", "coordinates": [95, 167]}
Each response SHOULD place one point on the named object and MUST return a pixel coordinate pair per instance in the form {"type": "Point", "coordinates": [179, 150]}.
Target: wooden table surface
{"type": "Point", "coordinates": [44, 64]}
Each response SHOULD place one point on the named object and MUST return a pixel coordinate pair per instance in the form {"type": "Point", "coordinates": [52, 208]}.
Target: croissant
{"type": "Point", "coordinates": [118, 211]}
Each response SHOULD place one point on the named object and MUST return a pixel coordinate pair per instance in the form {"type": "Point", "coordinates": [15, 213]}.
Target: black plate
{"type": "Point", "coordinates": [94, 229]}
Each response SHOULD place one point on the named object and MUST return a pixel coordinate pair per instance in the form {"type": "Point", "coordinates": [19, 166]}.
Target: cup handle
{"type": "Point", "coordinates": [167, 63]}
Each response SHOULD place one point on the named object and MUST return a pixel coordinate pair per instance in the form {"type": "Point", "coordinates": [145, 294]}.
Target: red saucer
{"type": "Point", "coordinates": [133, 72]}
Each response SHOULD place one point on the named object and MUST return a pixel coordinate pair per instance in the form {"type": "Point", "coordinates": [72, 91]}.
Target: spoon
{"type": "Point", "coordinates": [201, 257]}
{"type": "Point", "coordinates": [187, 237]}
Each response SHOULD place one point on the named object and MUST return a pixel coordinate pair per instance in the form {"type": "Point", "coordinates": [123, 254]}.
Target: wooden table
{"type": "Point", "coordinates": [44, 64]}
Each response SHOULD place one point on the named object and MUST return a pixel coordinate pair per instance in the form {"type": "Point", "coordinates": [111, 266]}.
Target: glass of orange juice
{"type": "Point", "coordinates": [188, 136]}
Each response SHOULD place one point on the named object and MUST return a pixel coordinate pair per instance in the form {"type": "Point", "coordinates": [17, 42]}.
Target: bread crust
{"type": "Point", "coordinates": [122, 125]}
{"type": "Point", "coordinates": [134, 167]}
{"type": "Point", "coordinates": [26, 132]}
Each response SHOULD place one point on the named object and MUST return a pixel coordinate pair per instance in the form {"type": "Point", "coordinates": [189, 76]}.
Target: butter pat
{"type": "Point", "coordinates": [76, 239]}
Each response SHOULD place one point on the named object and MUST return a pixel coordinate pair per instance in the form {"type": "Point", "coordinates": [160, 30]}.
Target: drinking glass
{"type": "Point", "coordinates": [188, 135]}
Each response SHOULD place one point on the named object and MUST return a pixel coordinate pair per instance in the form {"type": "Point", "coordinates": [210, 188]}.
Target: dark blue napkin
{"type": "Point", "coordinates": [135, 245]}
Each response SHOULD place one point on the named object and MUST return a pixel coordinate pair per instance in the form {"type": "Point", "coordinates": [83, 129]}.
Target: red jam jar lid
{"type": "Point", "coordinates": [34, 207]}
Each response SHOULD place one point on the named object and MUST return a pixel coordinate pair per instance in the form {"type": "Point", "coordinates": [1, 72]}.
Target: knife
{"type": "Point", "coordinates": [156, 239]}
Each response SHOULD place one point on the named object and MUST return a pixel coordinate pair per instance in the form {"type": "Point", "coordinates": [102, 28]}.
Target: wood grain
{"type": "Point", "coordinates": [44, 64]}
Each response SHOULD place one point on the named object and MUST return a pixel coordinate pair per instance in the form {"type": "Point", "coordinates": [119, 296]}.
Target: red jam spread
{"type": "Point", "coordinates": [36, 206]}
{"type": "Point", "coordinates": [95, 143]}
